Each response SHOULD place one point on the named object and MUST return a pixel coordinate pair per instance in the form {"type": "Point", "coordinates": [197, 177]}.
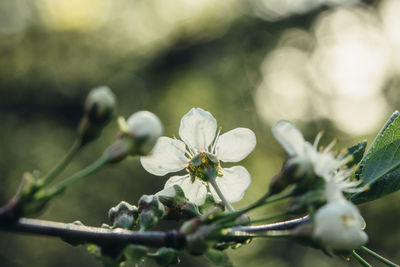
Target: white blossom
{"type": "Point", "coordinates": [198, 131]}
{"type": "Point", "coordinates": [338, 224]}
{"type": "Point", "coordinates": [324, 162]}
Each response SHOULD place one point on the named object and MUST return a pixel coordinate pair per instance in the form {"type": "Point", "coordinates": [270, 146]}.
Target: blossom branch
{"type": "Point", "coordinates": [79, 234]}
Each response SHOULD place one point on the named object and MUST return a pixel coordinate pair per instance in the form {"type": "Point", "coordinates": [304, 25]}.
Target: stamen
{"type": "Point", "coordinates": [317, 139]}
{"type": "Point", "coordinates": [330, 146]}
{"type": "Point", "coordinates": [216, 140]}
{"type": "Point", "coordinates": [186, 152]}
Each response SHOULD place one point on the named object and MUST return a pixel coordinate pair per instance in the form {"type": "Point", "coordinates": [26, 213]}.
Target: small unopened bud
{"type": "Point", "coordinates": [217, 257]}
{"type": "Point", "coordinates": [145, 128]}
{"type": "Point", "coordinates": [100, 106]}
{"type": "Point", "coordinates": [135, 253]}
{"type": "Point", "coordinates": [123, 215]}
{"type": "Point", "coordinates": [200, 241]}
{"type": "Point", "coordinates": [295, 170]}
{"type": "Point", "coordinates": [177, 206]}
{"type": "Point", "coordinates": [150, 211]}
{"type": "Point", "coordinates": [165, 256]}
{"type": "Point", "coordinates": [138, 136]}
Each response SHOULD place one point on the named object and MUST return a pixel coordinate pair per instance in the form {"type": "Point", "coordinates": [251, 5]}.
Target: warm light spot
{"type": "Point", "coordinates": [74, 14]}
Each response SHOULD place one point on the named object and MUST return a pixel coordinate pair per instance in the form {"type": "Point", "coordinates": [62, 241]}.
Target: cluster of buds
{"type": "Point", "coordinates": [123, 215]}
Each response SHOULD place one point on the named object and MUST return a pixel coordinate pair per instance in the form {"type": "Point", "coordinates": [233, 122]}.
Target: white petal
{"type": "Point", "coordinates": [168, 156]}
{"type": "Point", "coordinates": [198, 129]}
{"type": "Point", "coordinates": [196, 192]}
{"type": "Point", "coordinates": [232, 184]}
{"type": "Point", "coordinates": [235, 145]}
{"type": "Point", "coordinates": [167, 192]}
{"type": "Point", "coordinates": [338, 225]}
{"type": "Point", "coordinates": [289, 137]}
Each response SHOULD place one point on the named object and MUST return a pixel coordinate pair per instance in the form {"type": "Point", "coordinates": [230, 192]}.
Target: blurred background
{"type": "Point", "coordinates": [323, 64]}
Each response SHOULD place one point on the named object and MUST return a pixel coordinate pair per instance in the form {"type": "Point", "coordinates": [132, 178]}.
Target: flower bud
{"type": "Point", "coordinates": [339, 226]}
{"type": "Point", "coordinates": [199, 242]}
{"type": "Point", "coordinates": [145, 128]}
{"type": "Point", "coordinates": [295, 170]}
{"type": "Point", "coordinates": [99, 108]}
{"type": "Point", "coordinates": [100, 104]}
{"type": "Point", "coordinates": [165, 256]}
{"type": "Point", "coordinates": [177, 206]}
{"type": "Point", "coordinates": [135, 253]}
{"type": "Point", "coordinates": [150, 211]}
{"type": "Point", "coordinates": [123, 215]}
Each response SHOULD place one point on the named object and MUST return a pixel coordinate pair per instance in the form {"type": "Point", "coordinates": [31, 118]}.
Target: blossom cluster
{"type": "Point", "coordinates": [337, 225]}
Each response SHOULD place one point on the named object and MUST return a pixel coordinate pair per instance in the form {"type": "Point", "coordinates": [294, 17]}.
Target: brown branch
{"type": "Point", "coordinates": [79, 234]}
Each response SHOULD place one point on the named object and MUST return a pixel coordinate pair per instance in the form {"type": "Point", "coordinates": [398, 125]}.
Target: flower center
{"type": "Point", "coordinates": [348, 221]}
{"type": "Point", "coordinates": [204, 166]}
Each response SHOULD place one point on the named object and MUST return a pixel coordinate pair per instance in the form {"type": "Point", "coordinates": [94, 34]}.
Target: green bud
{"type": "Point", "coordinates": [123, 215]}
{"type": "Point", "coordinates": [100, 106]}
{"type": "Point", "coordinates": [150, 211]}
{"type": "Point", "coordinates": [217, 257]}
{"type": "Point", "coordinates": [200, 241]}
{"type": "Point", "coordinates": [135, 253]}
{"type": "Point", "coordinates": [177, 206]}
{"type": "Point", "coordinates": [165, 256]}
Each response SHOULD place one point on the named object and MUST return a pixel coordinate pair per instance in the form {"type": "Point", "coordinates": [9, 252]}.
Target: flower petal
{"type": "Point", "coordinates": [289, 137]}
{"type": "Point", "coordinates": [196, 192]}
{"type": "Point", "coordinates": [232, 184]}
{"type": "Point", "coordinates": [168, 156]}
{"type": "Point", "coordinates": [198, 129]}
{"type": "Point", "coordinates": [235, 145]}
{"type": "Point", "coordinates": [338, 225]}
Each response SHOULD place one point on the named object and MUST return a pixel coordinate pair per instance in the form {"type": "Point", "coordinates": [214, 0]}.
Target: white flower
{"type": "Point", "coordinates": [338, 224]}
{"type": "Point", "coordinates": [324, 162]}
{"type": "Point", "coordinates": [198, 131]}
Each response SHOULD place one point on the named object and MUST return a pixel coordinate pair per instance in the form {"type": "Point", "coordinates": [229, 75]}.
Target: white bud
{"type": "Point", "coordinates": [338, 225]}
{"type": "Point", "coordinates": [146, 128]}
{"type": "Point", "coordinates": [100, 104]}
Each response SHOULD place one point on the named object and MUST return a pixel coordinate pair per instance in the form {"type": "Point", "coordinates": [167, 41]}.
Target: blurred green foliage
{"type": "Point", "coordinates": [213, 61]}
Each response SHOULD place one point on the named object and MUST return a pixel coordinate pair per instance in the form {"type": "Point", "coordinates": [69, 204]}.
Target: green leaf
{"type": "Point", "coordinates": [218, 258]}
{"type": "Point", "coordinates": [379, 167]}
{"type": "Point", "coordinates": [393, 117]}
{"type": "Point", "coordinates": [357, 151]}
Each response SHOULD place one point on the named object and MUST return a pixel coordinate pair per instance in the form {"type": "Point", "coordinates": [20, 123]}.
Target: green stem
{"type": "Point", "coordinates": [63, 163]}
{"type": "Point", "coordinates": [379, 257]}
{"type": "Point", "coordinates": [221, 196]}
{"type": "Point", "coordinates": [360, 260]}
{"type": "Point", "coordinates": [265, 219]}
{"type": "Point", "coordinates": [103, 160]}
{"type": "Point", "coordinates": [262, 201]}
